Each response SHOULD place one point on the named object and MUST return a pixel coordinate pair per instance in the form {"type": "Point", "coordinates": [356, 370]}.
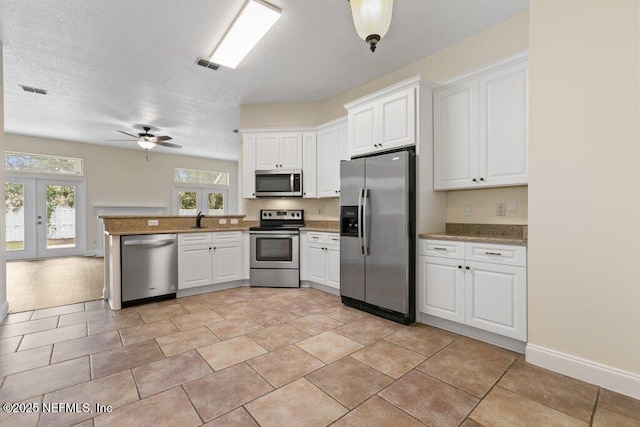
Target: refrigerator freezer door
{"type": "Point", "coordinates": [387, 230]}
{"type": "Point", "coordinates": [352, 279]}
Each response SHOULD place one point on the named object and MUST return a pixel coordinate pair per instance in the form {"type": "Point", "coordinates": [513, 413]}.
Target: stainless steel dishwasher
{"type": "Point", "coordinates": [149, 268]}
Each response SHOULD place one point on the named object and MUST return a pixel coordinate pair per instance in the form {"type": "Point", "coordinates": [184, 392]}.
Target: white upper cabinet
{"type": "Point", "coordinates": [330, 139]}
{"type": "Point", "coordinates": [383, 121]}
{"type": "Point", "coordinates": [278, 151]}
{"type": "Point", "coordinates": [248, 166]}
{"type": "Point", "coordinates": [480, 130]}
{"type": "Point", "coordinates": [309, 166]}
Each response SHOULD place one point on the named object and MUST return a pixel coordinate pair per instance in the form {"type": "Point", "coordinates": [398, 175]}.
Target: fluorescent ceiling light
{"type": "Point", "coordinates": [251, 24]}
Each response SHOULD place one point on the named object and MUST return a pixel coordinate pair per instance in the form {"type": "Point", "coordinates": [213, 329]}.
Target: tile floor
{"type": "Point", "coordinates": [276, 357]}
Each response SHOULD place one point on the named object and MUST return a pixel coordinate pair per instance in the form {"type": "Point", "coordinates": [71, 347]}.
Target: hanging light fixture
{"type": "Point", "coordinates": [371, 19]}
{"type": "Point", "coordinates": [143, 142]}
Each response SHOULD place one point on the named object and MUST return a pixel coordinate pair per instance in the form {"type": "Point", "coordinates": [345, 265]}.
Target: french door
{"type": "Point", "coordinates": [210, 201]}
{"type": "Point", "coordinates": [44, 217]}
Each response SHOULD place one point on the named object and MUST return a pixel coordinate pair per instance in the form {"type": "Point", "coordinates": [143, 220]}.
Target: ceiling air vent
{"type": "Point", "coordinates": [33, 90]}
{"type": "Point", "coordinates": [204, 63]}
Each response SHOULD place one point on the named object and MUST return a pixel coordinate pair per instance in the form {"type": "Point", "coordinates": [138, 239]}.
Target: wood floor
{"type": "Point", "coordinates": [32, 285]}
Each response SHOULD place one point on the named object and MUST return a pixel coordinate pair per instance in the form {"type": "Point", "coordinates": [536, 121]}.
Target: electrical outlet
{"type": "Point", "coordinates": [468, 210]}
{"type": "Point", "coordinates": [501, 209]}
{"type": "Point", "coordinates": [222, 221]}
{"type": "Point", "coordinates": [152, 222]}
{"type": "Point", "coordinates": [234, 220]}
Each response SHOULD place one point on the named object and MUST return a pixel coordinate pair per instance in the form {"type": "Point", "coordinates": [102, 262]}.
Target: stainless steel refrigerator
{"type": "Point", "coordinates": [377, 229]}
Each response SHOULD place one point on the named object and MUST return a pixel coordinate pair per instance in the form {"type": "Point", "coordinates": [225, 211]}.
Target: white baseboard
{"type": "Point", "coordinates": [4, 310]}
{"type": "Point", "coordinates": [585, 370]}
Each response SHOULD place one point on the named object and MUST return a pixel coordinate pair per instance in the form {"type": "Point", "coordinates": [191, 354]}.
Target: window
{"type": "Point", "coordinates": [196, 176]}
{"type": "Point", "coordinates": [41, 163]}
{"type": "Point", "coordinates": [200, 191]}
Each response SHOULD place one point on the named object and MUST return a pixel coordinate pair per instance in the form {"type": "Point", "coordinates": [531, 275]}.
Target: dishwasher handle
{"type": "Point", "coordinates": [150, 243]}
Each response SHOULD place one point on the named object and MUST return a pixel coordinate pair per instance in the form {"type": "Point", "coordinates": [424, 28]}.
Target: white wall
{"type": "Point", "coordinates": [122, 177]}
{"type": "Point", "coordinates": [584, 190]}
{"type": "Point", "coordinates": [4, 307]}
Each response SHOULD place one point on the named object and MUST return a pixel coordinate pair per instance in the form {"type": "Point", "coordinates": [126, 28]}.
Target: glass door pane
{"type": "Point", "coordinates": [214, 203]}
{"type": "Point", "coordinates": [187, 203]}
{"type": "Point", "coordinates": [14, 216]}
{"type": "Point", "coordinates": [60, 216]}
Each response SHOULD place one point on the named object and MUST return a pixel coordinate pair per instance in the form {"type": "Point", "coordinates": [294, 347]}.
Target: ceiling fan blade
{"type": "Point", "coordinates": [163, 138]}
{"type": "Point", "coordinates": [168, 144]}
{"type": "Point", "coordinates": [134, 136]}
{"type": "Point", "coordinates": [120, 139]}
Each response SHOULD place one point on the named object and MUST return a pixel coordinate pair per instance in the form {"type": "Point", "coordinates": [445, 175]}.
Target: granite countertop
{"type": "Point", "coordinates": [129, 225]}
{"type": "Point", "coordinates": [503, 234]}
{"type": "Point", "coordinates": [322, 226]}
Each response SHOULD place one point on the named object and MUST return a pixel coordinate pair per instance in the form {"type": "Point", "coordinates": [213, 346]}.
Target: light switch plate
{"type": "Point", "coordinates": [222, 221]}
{"type": "Point", "coordinates": [501, 209]}
{"type": "Point", "coordinates": [512, 205]}
{"type": "Point", "coordinates": [468, 210]}
{"type": "Point", "coordinates": [152, 222]}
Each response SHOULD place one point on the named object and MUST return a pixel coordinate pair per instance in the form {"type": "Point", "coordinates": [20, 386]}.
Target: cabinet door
{"type": "Point", "coordinates": [316, 263]}
{"type": "Point", "coordinates": [455, 132]}
{"type": "Point", "coordinates": [333, 266]}
{"type": "Point", "coordinates": [343, 140]}
{"type": "Point", "coordinates": [503, 129]}
{"type": "Point", "coordinates": [495, 299]}
{"type": "Point", "coordinates": [397, 119]}
{"type": "Point", "coordinates": [309, 165]}
{"type": "Point", "coordinates": [248, 166]}
{"type": "Point", "coordinates": [329, 162]}
{"type": "Point", "coordinates": [227, 264]}
{"type": "Point", "coordinates": [267, 151]}
{"type": "Point", "coordinates": [194, 266]}
{"type": "Point", "coordinates": [290, 147]}
{"type": "Point", "coordinates": [363, 129]}
{"type": "Point", "coordinates": [441, 282]}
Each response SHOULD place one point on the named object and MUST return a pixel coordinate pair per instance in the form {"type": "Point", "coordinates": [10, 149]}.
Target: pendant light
{"type": "Point", "coordinates": [371, 19]}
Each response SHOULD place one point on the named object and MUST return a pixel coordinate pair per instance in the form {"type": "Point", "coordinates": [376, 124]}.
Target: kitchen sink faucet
{"type": "Point", "coordinates": [199, 220]}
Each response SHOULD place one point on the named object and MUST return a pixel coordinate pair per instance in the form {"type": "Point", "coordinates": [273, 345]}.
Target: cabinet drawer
{"type": "Point", "coordinates": [442, 248]}
{"type": "Point", "coordinates": [496, 254]}
{"type": "Point", "coordinates": [333, 239]}
{"type": "Point", "coordinates": [193, 238]}
{"type": "Point", "coordinates": [226, 236]}
{"type": "Point", "coordinates": [315, 237]}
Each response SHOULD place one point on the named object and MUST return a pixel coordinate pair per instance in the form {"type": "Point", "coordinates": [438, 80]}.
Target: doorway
{"type": "Point", "coordinates": [44, 217]}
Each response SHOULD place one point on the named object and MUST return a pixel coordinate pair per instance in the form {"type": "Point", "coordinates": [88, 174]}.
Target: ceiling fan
{"type": "Point", "coordinates": [148, 141]}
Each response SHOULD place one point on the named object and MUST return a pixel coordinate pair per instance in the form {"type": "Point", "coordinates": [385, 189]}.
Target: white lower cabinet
{"type": "Point", "coordinates": [323, 258]}
{"type": "Point", "coordinates": [217, 261]}
{"type": "Point", "coordinates": [488, 294]}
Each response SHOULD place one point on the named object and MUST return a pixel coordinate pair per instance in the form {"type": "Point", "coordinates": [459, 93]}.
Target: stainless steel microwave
{"type": "Point", "coordinates": [279, 183]}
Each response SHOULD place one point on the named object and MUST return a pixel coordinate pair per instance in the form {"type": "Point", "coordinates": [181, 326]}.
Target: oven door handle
{"type": "Point", "coordinates": [275, 233]}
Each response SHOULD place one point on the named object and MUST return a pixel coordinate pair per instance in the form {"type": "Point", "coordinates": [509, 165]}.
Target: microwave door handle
{"type": "Point", "coordinates": [291, 182]}
{"type": "Point", "coordinates": [360, 191]}
{"type": "Point", "coordinates": [365, 208]}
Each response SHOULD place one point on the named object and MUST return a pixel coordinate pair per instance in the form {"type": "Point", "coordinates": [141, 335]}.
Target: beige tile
{"type": "Point", "coordinates": [616, 402]}
{"type": "Point", "coordinates": [44, 380]}
{"type": "Point", "coordinates": [605, 418]}
{"type": "Point", "coordinates": [285, 365]}
{"type": "Point", "coordinates": [275, 337]}
{"type": "Point", "coordinates": [96, 305]}
{"type": "Point", "coordinates": [116, 360]}
{"type": "Point", "coordinates": [377, 412]}
{"type": "Point", "coordinates": [233, 328]}
{"type": "Point", "coordinates": [116, 390]}
{"type": "Point", "coordinates": [164, 374]}
{"type": "Point", "coordinates": [502, 408]}
{"type": "Point", "coordinates": [349, 381]}
{"type": "Point", "coordinates": [273, 316]}
{"type": "Point", "coordinates": [303, 308]}
{"type": "Point", "coordinates": [365, 332]}
{"type": "Point", "coordinates": [21, 328]}
{"type": "Point", "coordinates": [239, 295]}
{"type": "Point", "coordinates": [38, 339]}
{"type": "Point", "coordinates": [483, 352]}
{"type": "Point", "coordinates": [236, 418]}
{"type": "Point", "coordinates": [329, 346]}
{"type": "Point", "coordinates": [17, 317]}
{"type": "Point", "coordinates": [193, 320]}
{"type": "Point", "coordinates": [470, 423]}
{"type": "Point", "coordinates": [24, 360]}
{"type": "Point", "coordinates": [84, 317]}
{"type": "Point", "coordinates": [9, 345]}
{"type": "Point", "coordinates": [556, 391]}
{"type": "Point", "coordinates": [67, 350]}
{"type": "Point", "coordinates": [162, 313]}
{"type": "Point", "coordinates": [388, 358]}
{"type": "Point", "coordinates": [113, 324]}
{"type": "Point", "coordinates": [237, 311]}
{"type": "Point", "coordinates": [344, 314]}
{"type": "Point", "coordinates": [17, 417]}
{"type": "Point", "coordinates": [147, 331]}
{"type": "Point", "coordinates": [56, 311]}
{"type": "Point", "coordinates": [422, 339]}
{"type": "Point", "coordinates": [223, 391]}
{"type": "Point", "coordinates": [185, 341]}
{"type": "Point", "coordinates": [227, 353]}
{"type": "Point", "coordinates": [315, 324]}
{"type": "Point", "coordinates": [272, 302]}
{"type": "Point", "coordinates": [327, 299]}
{"type": "Point", "coordinates": [169, 408]}
{"type": "Point", "coordinates": [298, 403]}
{"type": "Point", "coordinates": [474, 377]}
{"type": "Point", "coordinates": [429, 400]}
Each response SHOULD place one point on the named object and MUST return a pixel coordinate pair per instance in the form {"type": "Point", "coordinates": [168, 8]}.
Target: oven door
{"type": "Point", "coordinates": [274, 249]}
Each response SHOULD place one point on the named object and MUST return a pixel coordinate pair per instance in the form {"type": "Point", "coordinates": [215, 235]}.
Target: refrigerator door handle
{"type": "Point", "coordinates": [360, 193]}
{"type": "Point", "coordinates": [364, 221]}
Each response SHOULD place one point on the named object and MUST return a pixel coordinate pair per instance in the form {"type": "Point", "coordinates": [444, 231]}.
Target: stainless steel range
{"type": "Point", "coordinates": [275, 249]}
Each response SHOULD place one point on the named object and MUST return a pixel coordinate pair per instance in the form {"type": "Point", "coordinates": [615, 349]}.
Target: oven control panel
{"type": "Point", "coordinates": [285, 215]}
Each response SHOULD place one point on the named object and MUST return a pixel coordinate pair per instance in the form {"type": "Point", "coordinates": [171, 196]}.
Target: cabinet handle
{"type": "Point", "coordinates": [474, 180]}
{"type": "Point", "coordinates": [482, 179]}
{"type": "Point", "coordinates": [439, 249]}
{"type": "Point", "coordinates": [493, 253]}
{"type": "Point", "coordinates": [459, 266]}
{"type": "Point", "coordinates": [468, 268]}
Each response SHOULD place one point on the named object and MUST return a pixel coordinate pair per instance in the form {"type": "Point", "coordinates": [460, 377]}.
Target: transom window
{"type": "Point", "coordinates": [196, 176]}
{"type": "Point", "coordinates": [41, 163]}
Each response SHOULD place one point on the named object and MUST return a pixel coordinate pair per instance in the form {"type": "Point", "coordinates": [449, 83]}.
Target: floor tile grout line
{"type": "Point", "coordinates": [595, 407]}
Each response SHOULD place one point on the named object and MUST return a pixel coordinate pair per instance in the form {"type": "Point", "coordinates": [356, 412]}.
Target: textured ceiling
{"type": "Point", "coordinates": [120, 64]}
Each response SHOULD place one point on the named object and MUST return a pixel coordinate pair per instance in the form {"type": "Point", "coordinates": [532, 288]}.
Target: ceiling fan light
{"type": "Point", "coordinates": [251, 24]}
{"type": "Point", "coordinates": [372, 19]}
{"type": "Point", "coordinates": [144, 143]}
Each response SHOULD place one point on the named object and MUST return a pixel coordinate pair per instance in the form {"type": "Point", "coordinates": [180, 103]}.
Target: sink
{"type": "Point", "coordinates": [198, 227]}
